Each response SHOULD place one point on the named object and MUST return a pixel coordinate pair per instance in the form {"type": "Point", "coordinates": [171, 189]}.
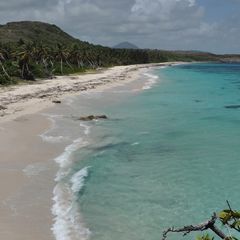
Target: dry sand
{"type": "Point", "coordinates": [26, 165]}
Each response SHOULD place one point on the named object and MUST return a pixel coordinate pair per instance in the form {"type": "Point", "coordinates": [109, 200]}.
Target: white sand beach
{"type": "Point", "coordinates": [19, 100]}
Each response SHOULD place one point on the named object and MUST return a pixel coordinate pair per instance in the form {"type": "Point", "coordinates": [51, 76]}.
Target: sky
{"type": "Point", "coordinates": [205, 25]}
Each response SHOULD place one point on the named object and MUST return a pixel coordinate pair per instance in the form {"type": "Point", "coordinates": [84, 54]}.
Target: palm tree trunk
{"type": "Point", "coordinates": [69, 64]}
{"type": "Point", "coordinates": [61, 66]}
{"type": "Point", "coordinates": [4, 70]}
{"type": "Point", "coordinates": [81, 63]}
{"type": "Point", "coordinates": [22, 72]}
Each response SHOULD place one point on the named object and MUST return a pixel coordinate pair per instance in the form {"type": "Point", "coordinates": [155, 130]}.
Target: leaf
{"type": "Point", "coordinates": [222, 214]}
{"type": "Point", "coordinates": [225, 216]}
{"type": "Point", "coordinates": [204, 237]}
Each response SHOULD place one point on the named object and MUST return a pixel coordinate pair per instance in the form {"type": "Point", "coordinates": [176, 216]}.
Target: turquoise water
{"type": "Point", "coordinates": [168, 156]}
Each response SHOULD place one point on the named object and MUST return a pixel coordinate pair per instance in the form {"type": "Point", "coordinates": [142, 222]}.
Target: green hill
{"type": "Point", "coordinates": [34, 49]}
{"type": "Point", "coordinates": [46, 33]}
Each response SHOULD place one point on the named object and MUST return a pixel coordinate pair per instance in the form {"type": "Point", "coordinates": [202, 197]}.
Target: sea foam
{"type": "Point", "coordinates": [78, 178]}
{"type": "Point", "coordinates": [64, 159]}
{"type": "Point", "coordinates": [86, 128]}
{"type": "Point", "coordinates": [46, 137]}
{"type": "Point", "coordinates": [151, 80]}
{"type": "Point", "coordinates": [54, 139]}
{"type": "Point", "coordinates": [68, 224]}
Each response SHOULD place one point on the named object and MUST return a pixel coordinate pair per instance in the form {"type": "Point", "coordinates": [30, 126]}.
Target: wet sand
{"type": "Point", "coordinates": [26, 179]}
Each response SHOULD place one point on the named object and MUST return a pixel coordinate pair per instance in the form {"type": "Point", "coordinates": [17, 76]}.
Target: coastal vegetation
{"type": "Point", "coordinates": [30, 50]}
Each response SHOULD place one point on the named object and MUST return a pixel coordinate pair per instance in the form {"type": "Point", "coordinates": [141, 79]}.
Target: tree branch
{"type": "Point", "coordinates": [210, 224]}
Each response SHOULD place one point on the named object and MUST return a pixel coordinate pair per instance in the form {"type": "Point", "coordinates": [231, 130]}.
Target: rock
{"type": "Point", "coordinates": [233, 106]}
{"type": "Point", "coordinates": [43, 96]}
{"type": "Point", "coordinates": [102, 117]}
{"type": "Point", "coordinates": [87, 118]}
{"type": "Point", "coordinates": [2, 107]}
{"type": "Point", "coordinates": [57, 101]}
{"type": "Point", "coordinates": [92, 117]}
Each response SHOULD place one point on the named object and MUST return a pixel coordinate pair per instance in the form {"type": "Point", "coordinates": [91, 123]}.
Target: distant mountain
{"type": "Point", "coordinates": [34, 31]}
{"type": "Point", "coordinates": [126, 45]}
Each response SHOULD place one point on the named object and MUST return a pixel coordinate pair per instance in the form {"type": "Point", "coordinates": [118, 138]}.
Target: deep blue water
{"type": "Point", "coordinates": [168, 156]}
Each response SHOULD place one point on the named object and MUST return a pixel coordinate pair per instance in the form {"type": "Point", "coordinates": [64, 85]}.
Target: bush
{"type": "Point", "coordinates": [12, 68]}
{"type": "Point", "coordinates": [4, 80]}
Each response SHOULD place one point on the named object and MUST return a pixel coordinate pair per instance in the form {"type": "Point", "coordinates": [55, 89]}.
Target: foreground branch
{"type": "Point", "coordinates": [210, 224]}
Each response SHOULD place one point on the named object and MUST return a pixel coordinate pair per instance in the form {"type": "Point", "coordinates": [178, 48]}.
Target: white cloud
{"type": "Point", "coordinates": [169, 24]}
{"type": "Point", "coordinates": [162, 8]}
{"type": "Point", "coordinates": [167, 14]}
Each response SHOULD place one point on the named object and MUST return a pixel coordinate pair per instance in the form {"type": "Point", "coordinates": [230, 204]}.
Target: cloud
{"type": "Point", "coordinates": [167, 14]}
{"type": "Point", "coordinates": [162, 9]}
{"type": "Point", "coordinates": [170, 24]}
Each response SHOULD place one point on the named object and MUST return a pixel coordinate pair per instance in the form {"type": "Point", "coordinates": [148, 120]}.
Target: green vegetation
{"type": "Point", "coordinates": [30, 50]}
{"type": "Point", "coordinates": [34, 32]}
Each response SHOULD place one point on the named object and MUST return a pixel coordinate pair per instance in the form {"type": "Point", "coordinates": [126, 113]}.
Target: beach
{"type": "Point", "coordinates": [119, 120]}
{"type": "Point", "coordinates": [16, 101]}
{"type": "Point", "coordinates": [27, 167]}
{"type": "Point", "coordinates": [25, 195]}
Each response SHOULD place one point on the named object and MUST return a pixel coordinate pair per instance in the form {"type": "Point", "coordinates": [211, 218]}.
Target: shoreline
{"type": "Point", "coordinates": [29, 168]}
{"type": "Point", "coordinates": [20, 100]}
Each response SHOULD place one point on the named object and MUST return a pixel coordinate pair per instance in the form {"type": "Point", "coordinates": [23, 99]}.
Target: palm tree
{"type": "Point", "coordinates": [43, 57]}
{"type": "Point", "coordinates": [61, 55]}
{"type": "Point", "coordinates": [2, 60]}
{"type": "Point", "coordinates": [76, 56]}
{"type": "Point", "coordinates": [24, 59]}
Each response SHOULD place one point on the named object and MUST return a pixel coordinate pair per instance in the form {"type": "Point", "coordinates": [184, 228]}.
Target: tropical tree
{"type": "Point", "coordinates": [24, 58]}
{"type": "Point", "coordinates": [61, 55]}
{"type": "Point", "coordinates": [44, 57]}
{"type": "Point", "coordinates": [76, 56]}
{"type": "Point", "coordinates": [2, 60]}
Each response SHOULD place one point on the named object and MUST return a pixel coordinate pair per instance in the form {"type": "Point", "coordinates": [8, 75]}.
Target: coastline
{"type": "Point", "coordinates": [20, 100]}
{"type": "Point", "coordinates": [29, 169]}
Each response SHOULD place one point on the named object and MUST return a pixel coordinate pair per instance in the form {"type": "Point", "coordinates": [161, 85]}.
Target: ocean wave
{"type": "Point", "coordinates": [78, 178]}
{"type": "Point", "coordinates": [64, 159]}
{"type": "Point", "coordinates": [68, 224]}
{"type": "Point", "coordinates": [86, 128]}
{"type": "Point", "coordinates": [151, 80]}
{"type": "Point", "coordinates": [54, 139]}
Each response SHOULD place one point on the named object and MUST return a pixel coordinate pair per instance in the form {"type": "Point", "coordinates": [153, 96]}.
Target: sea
{"type": "Point", "coordinates": [168, 154]}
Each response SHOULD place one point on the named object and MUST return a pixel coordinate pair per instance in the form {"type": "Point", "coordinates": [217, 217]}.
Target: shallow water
{"type": "Point", "coordinates": [168, 155]}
